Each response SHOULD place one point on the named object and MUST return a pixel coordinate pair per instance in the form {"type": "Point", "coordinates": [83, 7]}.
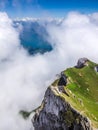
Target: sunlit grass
{"type": "Point", "coordinates": [83, 91]}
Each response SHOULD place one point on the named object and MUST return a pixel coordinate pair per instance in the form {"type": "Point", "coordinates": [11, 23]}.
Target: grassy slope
{"type": "Point", "coordinates": [83, 91]}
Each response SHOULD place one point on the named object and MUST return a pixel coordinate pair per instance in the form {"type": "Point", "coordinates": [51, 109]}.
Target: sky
{"type": "Point", "coordinates": [39, 8]}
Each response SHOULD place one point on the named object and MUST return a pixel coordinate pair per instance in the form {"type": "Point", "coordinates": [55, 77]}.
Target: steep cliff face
{"type": "Point", "coordinates": [57, 114]}
{"type": "Point", "coordinates": [71, 100]}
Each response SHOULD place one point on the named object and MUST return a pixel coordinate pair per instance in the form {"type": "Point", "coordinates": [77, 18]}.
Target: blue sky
{"type": "Point", "coordinates": [39, 8]}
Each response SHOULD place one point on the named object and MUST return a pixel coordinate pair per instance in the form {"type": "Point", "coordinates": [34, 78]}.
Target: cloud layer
{"type": "Point", "coordinates": [24, 78]}
{"type": "Point", "coordinates": [76, 36]}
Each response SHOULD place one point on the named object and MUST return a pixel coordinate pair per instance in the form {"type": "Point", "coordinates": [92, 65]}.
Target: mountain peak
{"type": "Point", "coordinates": [71, 102]}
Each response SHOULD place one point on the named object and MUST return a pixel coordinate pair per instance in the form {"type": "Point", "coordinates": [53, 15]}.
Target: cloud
{"type": "Point", "coordinates": [24, 78]}
{"type": "Point", "coordinates": [7, 33]}
{"type": "Point", "coordinates": [94, 17]}
{"type": "Point", "coordinates": [76, 36]}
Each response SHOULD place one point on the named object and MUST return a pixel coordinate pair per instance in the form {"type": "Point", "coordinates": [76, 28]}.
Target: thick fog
{"type": "Point", "coordinates": [24, 78]}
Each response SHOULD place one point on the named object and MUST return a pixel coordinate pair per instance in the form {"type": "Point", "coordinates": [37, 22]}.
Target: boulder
{"type": "Point", "coordinates": [81, 62]}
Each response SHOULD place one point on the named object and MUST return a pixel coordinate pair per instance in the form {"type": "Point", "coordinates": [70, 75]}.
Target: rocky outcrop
{"type": "Point", "coordinates": [81, 62]}
{"type": "Point", "coordinates": [57, 114]}
{"type": "Point", "coordinates": [62, 80]}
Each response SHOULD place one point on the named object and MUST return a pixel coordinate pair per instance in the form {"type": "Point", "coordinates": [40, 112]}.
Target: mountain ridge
{"type": "Point", "coordinates": [74, 94]}
{"type": "Point", "coordinates": [55, 114]}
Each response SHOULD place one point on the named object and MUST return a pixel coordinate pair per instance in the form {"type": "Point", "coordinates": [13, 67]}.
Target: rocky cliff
{"type": "Point", "coordinates": [56, 113]}
{"type": "Point", "coordinates": [71, 102]}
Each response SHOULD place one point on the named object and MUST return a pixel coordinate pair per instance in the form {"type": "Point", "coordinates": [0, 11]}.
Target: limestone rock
{"type": "Point", "coordinates": [81, 62]}
{"type": "Point", "coordinates": [57, 114]}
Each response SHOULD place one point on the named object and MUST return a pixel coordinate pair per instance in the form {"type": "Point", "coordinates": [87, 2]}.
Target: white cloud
{"type": "Point", "coordinates": [9, 35]}
{"type": "Point", "coordinates": [75, 19]}
{"type": "Point", "coordinates": [24, 78]}
{"type": "Point", "coordinates": [76, 36]}
{"type": "Point", "coordinates": [94, 17]}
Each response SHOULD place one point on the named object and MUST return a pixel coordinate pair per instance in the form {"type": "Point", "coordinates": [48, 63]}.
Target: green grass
{"type": "Point", "coordinates": [83, 91]}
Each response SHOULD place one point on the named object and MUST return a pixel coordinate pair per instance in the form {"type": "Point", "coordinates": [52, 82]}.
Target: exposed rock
{"type": "Point", "coordinates": [57, 114]}
{"type": "Point", "coordinates": [81, 62]}
{"type": "Point", "coordinates": [62, 80]}
{"type": "Point", "coordinates": [96, 68]}
{"type": "Point", "coordinates": [61, 89]}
